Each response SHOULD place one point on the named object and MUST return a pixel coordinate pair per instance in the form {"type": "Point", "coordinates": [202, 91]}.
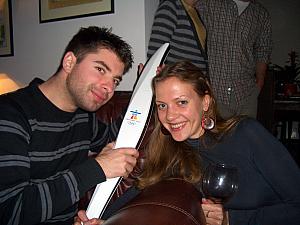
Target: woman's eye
{"type": "Point", "coordinates": [161, 106]}
{"type": "Point", "coordinates": [183, 102]}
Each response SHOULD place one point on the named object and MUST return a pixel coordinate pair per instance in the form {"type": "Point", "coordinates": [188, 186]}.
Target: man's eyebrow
{"type": "Point", "coordinates": [103, 64]}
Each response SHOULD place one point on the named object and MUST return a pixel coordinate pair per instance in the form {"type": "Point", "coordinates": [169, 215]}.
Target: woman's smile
{"type": "Point", "coordinates": [177, 126]}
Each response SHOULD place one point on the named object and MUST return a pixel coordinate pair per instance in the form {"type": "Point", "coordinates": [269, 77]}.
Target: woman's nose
{"type": "Point", "coordinates": [171, 114]}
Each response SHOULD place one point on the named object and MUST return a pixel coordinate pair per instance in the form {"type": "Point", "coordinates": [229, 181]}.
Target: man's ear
{"type": "Point", "coordinates": [206, 102]}
{"type": "Point", "coordinates": [69, 61]}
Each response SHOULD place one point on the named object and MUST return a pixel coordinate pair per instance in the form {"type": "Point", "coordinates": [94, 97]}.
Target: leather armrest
{"type": "Point", "coordinates": [171, 201]}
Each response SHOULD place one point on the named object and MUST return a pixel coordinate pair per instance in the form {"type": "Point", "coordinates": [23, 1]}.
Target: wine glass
{"type": "Point", "coordinates": [219, 182]}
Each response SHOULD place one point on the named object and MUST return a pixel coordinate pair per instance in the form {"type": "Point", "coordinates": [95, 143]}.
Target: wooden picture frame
{"type": "Point", "coordinates": [6, 29]}
{"type": "Point", "coordinates": [55, 10]}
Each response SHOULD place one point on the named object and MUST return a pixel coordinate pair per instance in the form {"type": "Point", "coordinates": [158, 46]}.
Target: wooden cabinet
{"type": "Point", "coordinates": [280, 115]}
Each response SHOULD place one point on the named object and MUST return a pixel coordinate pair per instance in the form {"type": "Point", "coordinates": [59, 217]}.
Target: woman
{"type": "Point", "coordinates": [269, 179]}
{"type": "Point", "coordinates": [181, 144]}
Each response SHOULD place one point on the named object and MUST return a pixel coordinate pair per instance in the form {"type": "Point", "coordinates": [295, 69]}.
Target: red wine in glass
{"type": "Point", "coordinates": [219, 182]}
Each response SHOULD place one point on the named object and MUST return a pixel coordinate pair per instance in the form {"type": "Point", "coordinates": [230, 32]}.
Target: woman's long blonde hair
{"type": "Point", "coordinates": [165, 157]}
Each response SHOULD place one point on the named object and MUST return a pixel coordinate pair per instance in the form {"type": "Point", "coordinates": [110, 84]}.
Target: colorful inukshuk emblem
{"type": "Point", "coordinates": [134, 117]}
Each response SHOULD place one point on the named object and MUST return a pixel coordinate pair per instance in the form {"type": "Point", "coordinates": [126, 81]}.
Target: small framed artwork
{"type": "Point", "coordinates": [6, 30]}
{"type": "Point", "coordinates": [54, 10]}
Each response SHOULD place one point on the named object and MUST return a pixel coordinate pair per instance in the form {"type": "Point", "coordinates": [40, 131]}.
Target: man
{"type": "Point", "coordinates": [178, 23]}
{"type": "Point", "coordinates": [239, 48]}
{"type": "Point", "coordinates": [48, 128]}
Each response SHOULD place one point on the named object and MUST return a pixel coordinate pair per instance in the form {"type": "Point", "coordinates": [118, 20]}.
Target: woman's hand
{"type": "Point", "coordinates": [159, 69]}
{"type": "Point", "coordinates": [81, 218]}
{"type": "Point", "coordinates": [214, 213]}
{"type": "Point", "coordinates": [141, 67]}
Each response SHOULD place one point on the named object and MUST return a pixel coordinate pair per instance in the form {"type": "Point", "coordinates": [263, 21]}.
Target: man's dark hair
{"type": "Point", "coordinates": [91, 39]}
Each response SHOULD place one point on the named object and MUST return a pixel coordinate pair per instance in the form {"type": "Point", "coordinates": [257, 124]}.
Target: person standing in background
{"type": "Point", "coordinates": [239, 46]}
{"type": "Point", "coordinates": [178, 23]}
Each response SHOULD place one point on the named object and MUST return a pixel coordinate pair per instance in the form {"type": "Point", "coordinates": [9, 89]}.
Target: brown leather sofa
{"type": "Point", "coordinates": [171, 202]}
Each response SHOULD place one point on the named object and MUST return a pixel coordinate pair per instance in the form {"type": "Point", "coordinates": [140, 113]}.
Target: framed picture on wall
{"type": "Point", "coordinates": [54, 10]}
{"type": "Point", "coordinates": [6, 30]}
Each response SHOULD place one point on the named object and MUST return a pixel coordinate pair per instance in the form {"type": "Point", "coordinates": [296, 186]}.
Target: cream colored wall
{"type": "Point", "coordinates": [38, 47]}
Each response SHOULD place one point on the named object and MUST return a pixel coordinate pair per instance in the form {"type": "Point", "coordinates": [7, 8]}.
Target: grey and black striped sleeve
{"type": "Point", "coordinates": [163, 27]}
{"type": "Point", "coordinates": [104, 133]}
{"type": "Point", "coordinates": [28, 200]}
